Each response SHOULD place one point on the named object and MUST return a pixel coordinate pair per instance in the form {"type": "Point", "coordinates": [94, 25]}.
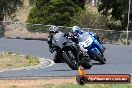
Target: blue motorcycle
{"type": "Point", "coordinates": [91, 46]}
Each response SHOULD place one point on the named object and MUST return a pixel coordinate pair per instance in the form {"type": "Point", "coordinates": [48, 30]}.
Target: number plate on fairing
{"type": "Point", "coordinates": [87, 42]}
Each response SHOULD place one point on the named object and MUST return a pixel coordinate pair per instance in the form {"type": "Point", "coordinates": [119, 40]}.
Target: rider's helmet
{"type": "Point", "coordinates": [75, 30]}
{"type": "Point", "coordinates": [53, 29]}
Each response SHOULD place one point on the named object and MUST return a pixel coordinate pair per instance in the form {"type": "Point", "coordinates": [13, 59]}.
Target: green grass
{"type": "Point", "coordinates": [89, 86]}
{"type": "Point", "coordinates": [49, 86]}
{"type": "Point", "coordinates": [13, 86]}
{"type": "Point", "coordinates": [10, 60]}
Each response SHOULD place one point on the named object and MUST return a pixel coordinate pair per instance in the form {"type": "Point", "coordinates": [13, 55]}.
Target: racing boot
{"type": "Point", "coordinates": [57, 59]}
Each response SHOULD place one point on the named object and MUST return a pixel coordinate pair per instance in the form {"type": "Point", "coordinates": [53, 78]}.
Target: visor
{"type": "Point", "coordinates": [51, 32]}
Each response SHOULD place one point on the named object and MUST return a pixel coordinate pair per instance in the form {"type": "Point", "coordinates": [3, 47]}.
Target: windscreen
{"type": "Point", "coordinates": [58, 39]}
{"type": "Point", "coordinates": [84, 37]}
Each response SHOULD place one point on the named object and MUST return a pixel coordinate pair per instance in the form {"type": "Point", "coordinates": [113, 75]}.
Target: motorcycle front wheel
{"type": "Point", "coordinates": [101, 59]}
{"type": "Point", "coordinates": [70, 59]}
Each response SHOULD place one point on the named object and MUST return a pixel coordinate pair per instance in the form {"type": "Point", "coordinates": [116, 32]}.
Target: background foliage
{"type": "Point", "coordinates": [117, 10]}
{"type": "Point", "coordinates": [56, 12]}
{"type": "Point", "coordinates": [91, 20]}
{"type": "Point", "coordinates": [8, 7]}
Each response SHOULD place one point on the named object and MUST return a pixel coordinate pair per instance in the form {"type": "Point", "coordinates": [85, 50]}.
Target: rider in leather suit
{"type": "Point", "coordinates": [76, 33]}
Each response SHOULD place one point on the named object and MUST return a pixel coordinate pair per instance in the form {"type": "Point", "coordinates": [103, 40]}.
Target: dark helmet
{"type": "Point", "coordinates": [53, 29]}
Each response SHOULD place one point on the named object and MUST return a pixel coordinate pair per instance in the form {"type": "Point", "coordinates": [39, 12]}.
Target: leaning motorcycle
{"type": "Point", "coordinates": [90, 44]}
{"type": "Point", "coordinates": [67, 51]}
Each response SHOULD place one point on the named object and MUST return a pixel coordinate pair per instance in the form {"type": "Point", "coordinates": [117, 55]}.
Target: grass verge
{"type": "Point", "coordinates": [55, 83]}
{"type": "Point", "coordinates": [94, 86]}
{"type": "Point", "coordinates": [10, 60]}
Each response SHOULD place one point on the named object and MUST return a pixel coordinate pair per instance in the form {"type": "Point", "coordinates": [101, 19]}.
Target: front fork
{"type": "Point", "coordinates": [99, 46]}
{"type": "Point", "coordinates": [77, 54]}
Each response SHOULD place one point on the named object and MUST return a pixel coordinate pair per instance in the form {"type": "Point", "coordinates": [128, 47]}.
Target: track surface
{"type": "Point", "coordinates": [119, 59]}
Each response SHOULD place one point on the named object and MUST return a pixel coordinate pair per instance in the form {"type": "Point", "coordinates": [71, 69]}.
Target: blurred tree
{"type": "Point", "coordinates": [32, 2]}
{"type": "Point", "coordinates": [89, 19]}
{"type": "Point", "coordinates": [117, 9]}
{"type": "Point", "coordinates": [80, 3]}
{"type": "Point", "coordinates": [8, 7]}
{"type": "Point", "coordinates": [57, 12]}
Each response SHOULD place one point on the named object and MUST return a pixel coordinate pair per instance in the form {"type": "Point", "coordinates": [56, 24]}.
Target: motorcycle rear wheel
{"type": "Point", "coordinates": [85, 60]}
{"type": "Point", "coordinates": [87, 64]}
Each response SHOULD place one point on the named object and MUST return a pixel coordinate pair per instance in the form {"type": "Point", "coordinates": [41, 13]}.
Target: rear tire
{"type": "Point", "coordinates": [85, 60]}
{"type": "Point", "coordinates": [87, 64]}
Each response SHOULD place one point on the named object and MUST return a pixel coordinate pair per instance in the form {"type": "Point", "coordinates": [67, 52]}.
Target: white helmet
{"type": "Point", "coordinates": [53, 29]}
{"type": "Point", "coordinates": [76, 29]}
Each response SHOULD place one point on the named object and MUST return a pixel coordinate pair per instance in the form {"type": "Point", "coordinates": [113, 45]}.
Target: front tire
{"type": "Point", "coordinates": [68, 60]}
{"type": "Point", "coordinates": [57, 58]}
{"type": "Point", "coordinates": [101, 59]}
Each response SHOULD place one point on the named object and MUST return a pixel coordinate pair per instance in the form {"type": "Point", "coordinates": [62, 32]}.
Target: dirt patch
{"type": "Point", "coordinates": [23, 33]}
{"type": "Point", "coordinates": [40, 83]}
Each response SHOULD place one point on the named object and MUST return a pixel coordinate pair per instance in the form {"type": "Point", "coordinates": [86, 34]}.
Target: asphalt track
{"type": "Point", "coordinates": [119, 59]}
